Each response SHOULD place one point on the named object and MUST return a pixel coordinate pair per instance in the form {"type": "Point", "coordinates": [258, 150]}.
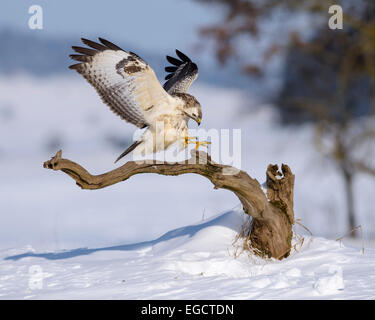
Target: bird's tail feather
{"type": "Point", "coordinates": [130, 149]}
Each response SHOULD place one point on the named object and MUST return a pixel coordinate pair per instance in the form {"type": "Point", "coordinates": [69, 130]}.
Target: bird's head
{"type": "Point", "coordinates": [192, 108]}
{"type": "Point", "coordinates": [195, 113]}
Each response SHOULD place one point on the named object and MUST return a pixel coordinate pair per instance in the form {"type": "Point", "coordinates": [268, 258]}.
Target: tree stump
{"type": "Point", "coordinates": [270, 232]}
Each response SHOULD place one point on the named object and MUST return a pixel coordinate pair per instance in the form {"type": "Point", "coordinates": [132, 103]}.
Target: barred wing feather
{"type": "Point", "coordinates": [124, 81]}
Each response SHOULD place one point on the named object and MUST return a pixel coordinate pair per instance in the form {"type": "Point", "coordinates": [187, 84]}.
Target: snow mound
{"type": "Point", "coordinates": [192, 262]}
{"type": "Point", "coordinates": [330, 284]}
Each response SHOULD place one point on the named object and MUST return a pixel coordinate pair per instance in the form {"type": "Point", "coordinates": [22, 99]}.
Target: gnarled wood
{"type": "Point", "coordinates": [271, 229]}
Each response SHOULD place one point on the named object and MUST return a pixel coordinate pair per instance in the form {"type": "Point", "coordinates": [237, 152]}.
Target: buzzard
{"type": "Point", "coordinates": [128, 85]}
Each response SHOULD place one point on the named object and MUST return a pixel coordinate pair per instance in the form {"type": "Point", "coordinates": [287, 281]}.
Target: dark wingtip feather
{"type": "Point", "coordinates": [182, 56]}
{"type": "Point", "coordinates": [168, 76]}
{"type": "Point", "coordinates": [75, 66]}
{"type": "Point", "coordinates": [93, 44]}
{"type": "Point", "coordinates": [170, 69]}
{"type": "Point", "coordinates": [109, 44]}
{"type": "Point", "coordinates": [86, 51]}
{"type": "Point", "coordinates": [174, 61]}
{"type": "Point", "coordinates": [79, 57]}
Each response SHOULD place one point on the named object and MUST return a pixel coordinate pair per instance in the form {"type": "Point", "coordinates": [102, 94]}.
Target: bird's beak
{"type": "Point", "coordinates": [199, 120]}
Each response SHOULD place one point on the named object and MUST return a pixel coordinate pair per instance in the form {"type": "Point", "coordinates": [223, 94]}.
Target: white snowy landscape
{"type": "Point", "coordinates": [157, 237]}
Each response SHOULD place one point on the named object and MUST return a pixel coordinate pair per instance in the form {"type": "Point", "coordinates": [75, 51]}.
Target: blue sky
{"type": "Point", "coordinates": [155, 25]}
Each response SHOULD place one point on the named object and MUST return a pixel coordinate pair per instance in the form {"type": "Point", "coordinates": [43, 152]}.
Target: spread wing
{"type": "Point", "coordinates": [124, 81]}
{"type": "Point", "coordinates": [182, 74]}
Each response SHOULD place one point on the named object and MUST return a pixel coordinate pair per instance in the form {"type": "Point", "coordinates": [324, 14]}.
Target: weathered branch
{"type": "Point", "coordinates": [273, 217]}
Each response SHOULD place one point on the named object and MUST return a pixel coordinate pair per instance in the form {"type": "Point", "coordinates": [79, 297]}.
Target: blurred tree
{"type": "Point", "coordinates": [329, 77]}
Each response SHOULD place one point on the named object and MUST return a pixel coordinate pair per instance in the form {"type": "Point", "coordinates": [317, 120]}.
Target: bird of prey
{"type": "Point", "coordinates": [129, 86]}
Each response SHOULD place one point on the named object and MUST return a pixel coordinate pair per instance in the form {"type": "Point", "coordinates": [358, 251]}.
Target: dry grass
{"type": "Point", "coordinates": [350, 232]}
{"type": "Point", "coordinates": [241, 243]}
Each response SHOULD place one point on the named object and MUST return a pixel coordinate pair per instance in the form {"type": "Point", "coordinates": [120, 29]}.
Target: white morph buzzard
{"type": "Point", "coordinates": [128, 85]}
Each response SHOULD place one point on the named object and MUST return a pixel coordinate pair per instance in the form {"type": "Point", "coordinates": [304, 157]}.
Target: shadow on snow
{"type": "Point", "coordinates": [225, 219]}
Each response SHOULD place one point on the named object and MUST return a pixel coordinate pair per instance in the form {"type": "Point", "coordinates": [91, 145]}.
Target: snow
{"type": "Point", "coordinates": [192, 262]}
{"type": "Point", "coordinates": [331, 283]}
{"type": "Point", "coordinates": [127, 241]}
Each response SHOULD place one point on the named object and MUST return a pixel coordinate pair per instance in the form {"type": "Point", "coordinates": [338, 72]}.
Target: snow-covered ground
{"type": "Point", "coordinates": [46, 218]}
{"type": "Point", "coordinates": [192, 262]}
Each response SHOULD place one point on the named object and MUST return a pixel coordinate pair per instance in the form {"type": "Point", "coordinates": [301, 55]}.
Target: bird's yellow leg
{"type": "Point", "coordinates": [201, 143]}
{"type": "Point", "coordinates": [195, 141]}
{"type": "Point", "coordinates": [189, 140]}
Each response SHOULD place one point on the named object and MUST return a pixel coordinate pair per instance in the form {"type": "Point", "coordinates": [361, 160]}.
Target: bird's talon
{"type": "Point", "coordinates": [188, 140]}
{"type": "Point", "coordinates": [201, 143]}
